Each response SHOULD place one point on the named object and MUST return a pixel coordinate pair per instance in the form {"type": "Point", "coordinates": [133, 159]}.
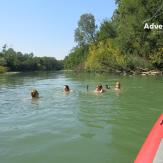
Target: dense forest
{"type": "Point", "coordinates": [11, 60]}
{"type": "Point", "coordinates": [124, 43]}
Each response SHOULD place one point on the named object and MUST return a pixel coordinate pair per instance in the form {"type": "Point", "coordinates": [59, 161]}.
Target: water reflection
{"type": "Point", "coordinates": [35, 101]}
{"type": "Point", "coordinates": [17, 79]}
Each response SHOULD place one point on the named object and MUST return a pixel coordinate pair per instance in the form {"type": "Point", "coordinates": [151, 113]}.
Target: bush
{"type": "Point", "coordinates": [157, 58]}
{"type": "Point", "coordinates": [3, 69]}
{"type": "Point", "coordinates": [104, 57]}
{"type": "Point", "coordinates": [136, 62]}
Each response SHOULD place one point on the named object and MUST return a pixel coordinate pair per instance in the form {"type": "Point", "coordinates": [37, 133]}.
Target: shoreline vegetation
{"type": "Point", "coordinates": [120, 44]}
{"type": "Point", "coordinates": [143, 72]}
{"type": "Point", "coordinates": [15, 62]}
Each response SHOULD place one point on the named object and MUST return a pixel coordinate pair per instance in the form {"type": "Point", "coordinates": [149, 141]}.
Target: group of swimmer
{"type": "Point", "coordinates": [99, 89]}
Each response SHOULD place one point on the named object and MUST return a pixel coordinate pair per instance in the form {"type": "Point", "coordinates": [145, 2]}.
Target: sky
{"type": "Point", "coordinates": [46, 27]}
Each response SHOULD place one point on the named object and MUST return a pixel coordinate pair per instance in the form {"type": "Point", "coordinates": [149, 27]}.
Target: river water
{"type": "Point", "coordinates": [79, 127]}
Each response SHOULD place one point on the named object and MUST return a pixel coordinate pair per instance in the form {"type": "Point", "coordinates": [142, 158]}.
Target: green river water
{"type": "Point", "coordinates": [80, 127]}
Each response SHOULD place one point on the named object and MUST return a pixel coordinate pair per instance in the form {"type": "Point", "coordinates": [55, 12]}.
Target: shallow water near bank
{"type": "Point", "coordinates": [76, 127]}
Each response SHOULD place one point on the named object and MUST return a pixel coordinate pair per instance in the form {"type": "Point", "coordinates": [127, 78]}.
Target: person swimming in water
{"type": "Point", "coordinates": [66, 88]}
{"type": "Point", "coordinates": [99, 89]}
{"type": "Point", "coordinates": [117, 86]}
{"type": "Point", "coordinates": [35, 94]}
{"type": "Point", "coordinates": [107, 87]}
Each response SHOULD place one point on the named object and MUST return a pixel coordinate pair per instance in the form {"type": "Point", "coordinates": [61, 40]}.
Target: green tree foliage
{"type": "Point", "coordinates": [17, 61]}
{"type": "Point", "coordinates": [85, 32]}
{"type": "Point", "coordinates": [131, 16]}
{"type": "Point", "coordinates": [104, 57]}
{"type": "Point", "coordinates": [121, 43]}
{"type": "Point", "coordinates": [76, 58]}
{"type": "Point", "coordinates": [3, 69]}
{"type": "Point", "coordinates": [157, 58]}
{"type": "Point", "coordinates": [107, 30]}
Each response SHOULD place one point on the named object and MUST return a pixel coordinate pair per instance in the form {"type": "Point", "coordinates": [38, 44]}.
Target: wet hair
{"type": "Point", "coordinates": [66, 88]}
{"type": "Point", "coordinates": [107, 87]}
{"type": "Point", "coordinates": [99, 87]}
{"type": "Point", "coordinates": [34, 93]}
{"type": "Point", "coordinates": [118, 85]}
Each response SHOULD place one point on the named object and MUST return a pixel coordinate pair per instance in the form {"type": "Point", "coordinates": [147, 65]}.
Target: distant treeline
{"type": "Point", "coordinates": [121, 43]}
{"type": "Point", "coordinates": [11, 60]}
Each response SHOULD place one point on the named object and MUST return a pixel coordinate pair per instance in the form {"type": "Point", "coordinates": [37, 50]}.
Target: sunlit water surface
{"type": "Point", "coordinates": [79, 127]}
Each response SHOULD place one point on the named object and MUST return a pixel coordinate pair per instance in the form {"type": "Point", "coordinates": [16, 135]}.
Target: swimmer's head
{"type": "Point", "coordinates": [66, 88]}
{"type": "Point", "coordinates": [107, 87]}
{"type": "Point", "coordinates": [117, 85]}
{"type": "Point", "coordinates": [34, 94]}
{"type": "Point", "coordinates": [99, 87]}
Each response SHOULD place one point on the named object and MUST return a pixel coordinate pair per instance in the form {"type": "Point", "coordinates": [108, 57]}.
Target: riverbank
{"type": "Point", "coordinates": [11, 73]}
{"type": "Point", "coordinates": [17, 72]}
{"type": "Point", "coordinates": [143, 72]}
{"type": "Point", "coordinates": [140, 71]}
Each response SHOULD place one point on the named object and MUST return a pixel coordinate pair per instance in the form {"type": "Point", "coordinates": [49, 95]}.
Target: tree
{"type": "Point", "coordinates": [107, 30]}
{"type": "Point", "coordinates": [104, 57]}
{"type": "Point", "coordinates": [75, 60]}
{"type": "Point", "coordinates": [130, 17]}
{"type": "Point", "coordinates": [121, 43]}
{"type": "Point", "coordinates": [17, 61]}
{"type": "Point", "coordinates": [4, 48]}
{"type": "Point", "coordinates": [86, 30]}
